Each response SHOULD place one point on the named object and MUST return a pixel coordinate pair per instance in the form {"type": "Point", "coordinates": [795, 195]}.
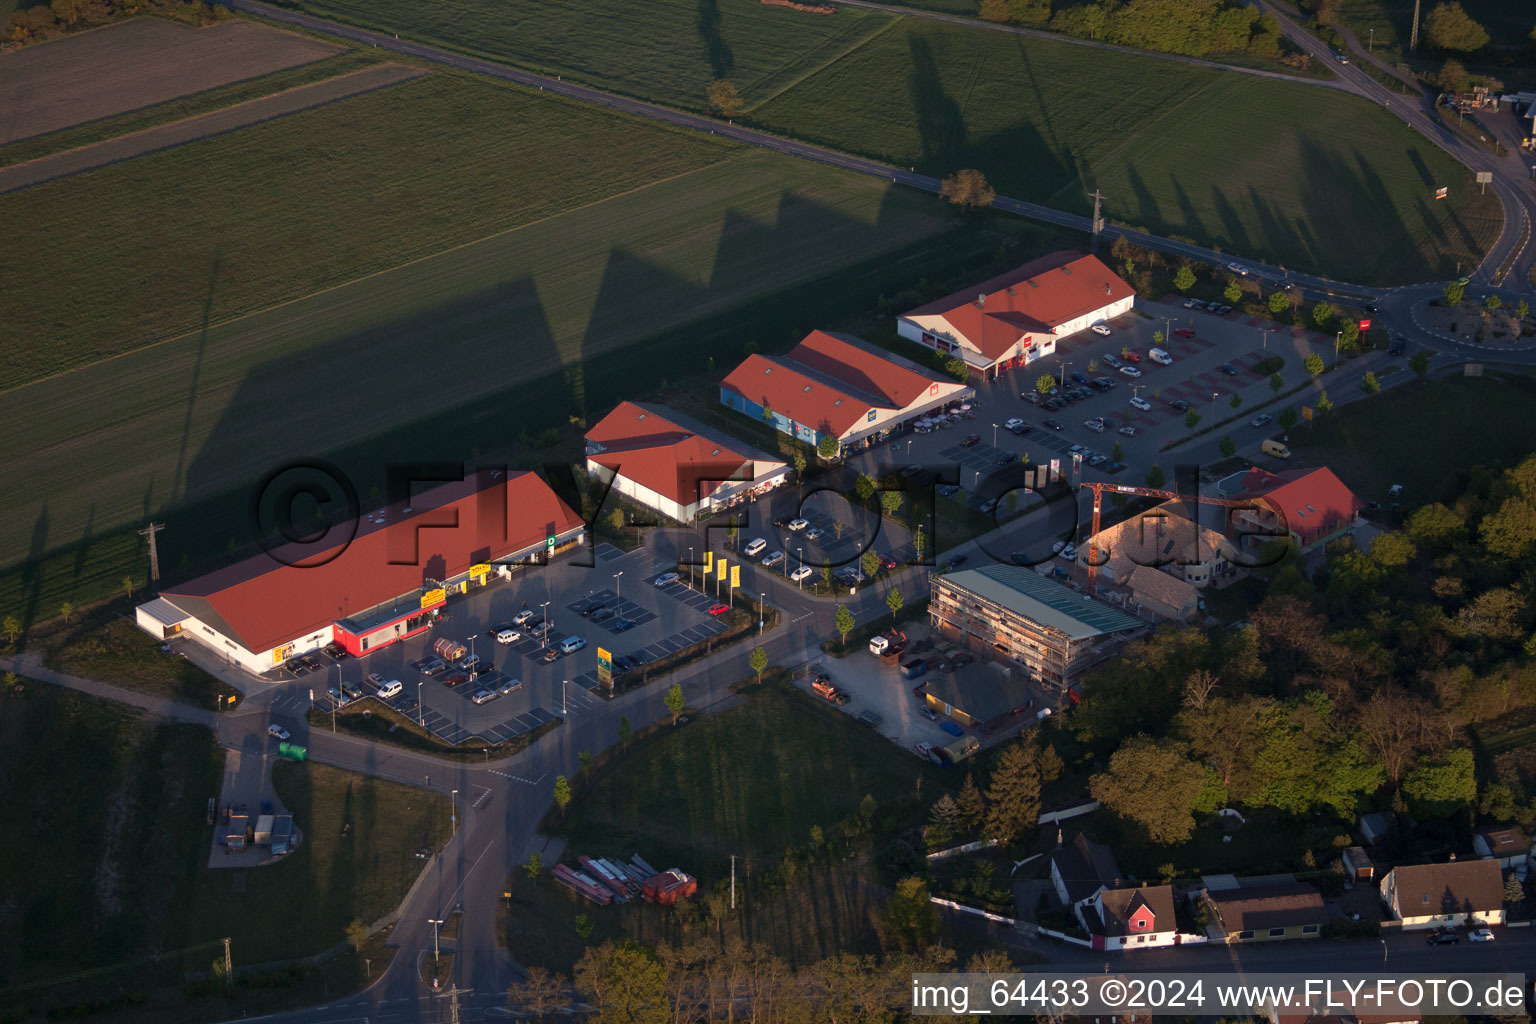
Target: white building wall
{"type": "Point", "coordinates": [885, 419]}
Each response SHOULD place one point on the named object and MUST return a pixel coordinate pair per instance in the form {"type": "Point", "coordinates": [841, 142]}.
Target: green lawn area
{"type": "Point", "coordinates": [751, 781]}
{"type": "Point", "coordinates": [183, 107]}
{"type": "Point", "coordinates": [1293, 174]}
{"type": "Point", "coordinates": [356, 186]}
{"type": "Point", "coordinates": [1453, 424]}
{"type": "Point", "coordinates": [105, 831]}
{"type": "Point", "coordinates": [111, 648]}
{"type": "Point", "coordinates": [1508, 745]}
{"type": "Point", "coordinates": [666, 50]}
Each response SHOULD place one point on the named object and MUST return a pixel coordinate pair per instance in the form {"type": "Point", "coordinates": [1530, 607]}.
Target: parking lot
{"type": "Point", "coordinates": [626, 614]}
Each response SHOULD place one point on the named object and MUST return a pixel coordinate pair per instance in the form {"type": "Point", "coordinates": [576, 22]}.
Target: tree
{"type": "Point", "coordinates": [1157, 338]}
{"type": "Point", "coordinates": [1322, 312]}
{"type": "Point", "coordinates": [1117, 454]}
{"type": "Point", "coordinates": [893, 601]}
{"type": "Point", "coordinates": [1419, 363]}
{"type": "Point", "coordinates": [1232, 292]}
{"type": "Point", "coordinates": [864, 486]}
{"type": "Point", "coordinates": [826, 572]}
{"type": "Point", "coordinates": [1190, 419]}
{"type": "Point", "coordinates": [946, 813]}
{"type": "Point", "coordinates": [910, 915]}
{"type": "Point", "coordinates": [625, 982]}
{"type": "Point", "coordinates": [1044, 383]}
{"type": "Point", "coordinates": [67, 610]}
{"type": "Point", "coordinates": [675, 701]}
{"type": "Point", "coordinates": [1454, 293]}
{"type": "Point", "coordinates": [616, 519]}
{"type": "Point", "coordinates": [1443, 786]}
{"type": "Point", "coordinates": [562, 793]}
{"type": "Point", "coordinates": [1236, 401]}
{"type": "Point", "coordinates": [625, 730]}
{"type": "Point", "coordinates": [1449, 27]}
{"type": "Point", "coordinates": [724, 97]}
{"type": "Point", "coordinates": [1184, 279]}
{"type": "Point", "coordinates": [535, 866]}
{"type": "Point", "coordinates": [800, 464]}
{"type": "Point", "coordinates": [1452, 77]}
{"type": "Point", "coordinates": [11, 626]}
{"type": "Point", "coordinates": [67, 11]}
{"type": "Point", "coordinates": [1435, 526]}
{"type": "Point", "coordinates": [1349, 334]}
{"type": "Point", "coordinates": [1287, 418]}
{"type": "Point", "coordinates": [540, 993]}
{"type": "Point", "coordinates": [1522, 309]}
{"type": "Point", "coordinates": [890, 503]}
{"type": "Point", "coordinates": [1368, 383]}
{"type": "Point", "coordinates": [1013, 797]}
{"type": "Point", "coordinates": [357, 932]}
{"type": "Point", "coordinates": [1313, 365]}
{"type": "Point", "coordinates": [870, 562]}
{"type": "Point", "coordinates": [127, 585]}
{"type": "Point", "coordinates": [1154, 784]}
{"type": "Point", "coordinates": [1156, 478]}
{"type": "Point", "coordinates": [973, 807]}
{"type": "Point", "coordinates": [1277, 303]}
{"type": "Point", "coordinates": [868, 807]}
{"type": "Point", "coordinates": [584, 761]}
{"type": "Point", "coordinates": [827, 448]}
{"type": "Point", "coordinates": [1228, 446]}
{"type": "Point", "coordinates": [1324, 403]}
{"type": "Point", "coordinates": [995, 10]}
{"type": "Point", "coordinates": [968, 189]}
{"type": "Point", "coordinates": [583, 925]}
{"type": "Point", "coordinates": [758, 662]}
{"type": "Point", "coordinates": [1514, 890]}
{"type": "Point", "coordinates": [1393, 550]}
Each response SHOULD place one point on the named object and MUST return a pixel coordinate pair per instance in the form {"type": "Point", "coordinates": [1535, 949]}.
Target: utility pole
{"type": "Point", "coordinates": [154, 554]}
{"type": "Point", "coordinates": [733, 884]}
{"type": "Point", "coordinates": [229, 968]}
{"type": "Point", "coordinates": [1413, 38]}
{"type": "Point", "coordinates": [1098, 218]}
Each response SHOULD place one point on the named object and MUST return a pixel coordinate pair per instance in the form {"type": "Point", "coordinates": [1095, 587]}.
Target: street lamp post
{"type": "Point", "coordinates": [800, 557]}
{"type": "Point", "coordinates": [472, 645]}
{"type": "Point", "coordinates": [436, 950]}
{"type": "Point", "coordinates": [616, 582]}
{"type": "Point", "coordinates": [419, 719]}
{"type": "Point", "coordinates": [1383, 952]}
{"type": "Point", "coordinates": [1064, 367]}
{"type": "Point", "coordinates": [994, 435]}
{"type": "Point", "coordinates": [453, 811]}
{"type": "Point", "coordinates": [1213, 408]}
{"type": "Point", "coordinates": [762, 612]}
{"type": "Point", "coordinates": [545, 627]}
{"type": "Point", "coordinates": [1336, 338]}
{"type": "Point", "coordinates": [1267, 332]}
{"type": "Point", "coordinates": [690, 566]}
{"type": "Point", "coordinates": [562, 695]}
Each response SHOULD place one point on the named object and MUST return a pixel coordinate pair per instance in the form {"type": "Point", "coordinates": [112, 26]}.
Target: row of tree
{"type": "Point", "coordinates": [39, 22]}
{"type": "Point", "coordinates": [1193, 27]}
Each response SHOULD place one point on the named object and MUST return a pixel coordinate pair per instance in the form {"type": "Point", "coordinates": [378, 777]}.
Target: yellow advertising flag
{"type": "Point", "coordinates": [720, 569]}
{"type": "Point", "coordinates": [709, 562]}
{"type": "Point", "coordinates": [735, 576]}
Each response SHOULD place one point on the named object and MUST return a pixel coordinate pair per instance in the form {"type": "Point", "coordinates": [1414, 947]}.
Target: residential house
{"type": "Point", "coordinates": [1310, 507]}
{"type": "Point", "coordinates": [1081, 868]}
{"type": "Point", "coordinates": [1373, 827]}
{"type": "Point", "coordinates": [1016, 318]}
{"type": "Point", "coordinates": [1508, 845]}
{"type": "Point", "coordinates": [1134, 918]}
{"type": "Point", "coordinates": [1453, 893]}
{"type": "Point", "coordinates": [979, 694]}
{"type": "Point", "coordinates": [1265, 913]}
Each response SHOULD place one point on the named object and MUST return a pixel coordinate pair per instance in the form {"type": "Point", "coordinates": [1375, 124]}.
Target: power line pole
{"type": "Point", "coordinates": [1098, 218]}
{"type": "Point", "coordinates": [733, 881]}
{"type": "Point", "coordinates": [1413, 38]}
{"type": "Point", "coordinates": [229, 970]}
{"type": "Point", "coordinates": [154, 554]}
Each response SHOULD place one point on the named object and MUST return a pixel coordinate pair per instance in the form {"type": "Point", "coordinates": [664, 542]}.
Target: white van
{"type": "Point", "coordinates": [508, 636]}
{"type": "Point", "coordinates": [572, 644]}
{"type": "Point", "coordinates": [1160, 357]}
{"type": "Point", "coordinates": [390, 689]}
{"type": "Point", "coordinates": [755, 547]}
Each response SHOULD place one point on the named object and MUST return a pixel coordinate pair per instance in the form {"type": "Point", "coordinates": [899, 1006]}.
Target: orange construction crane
{"type": "Point", "coordinates": [1098, 488]}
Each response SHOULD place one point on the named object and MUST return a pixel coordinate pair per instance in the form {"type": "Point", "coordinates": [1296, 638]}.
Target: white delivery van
{"type": "Point", "coordinates": [390, 689]}
{"type": "Point", "coordinates": [1160, 357]}
{"type": "Point", "coordinates": [755, 547]}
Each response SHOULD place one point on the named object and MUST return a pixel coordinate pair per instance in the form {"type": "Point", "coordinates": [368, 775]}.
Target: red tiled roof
{"type": "Point", "coordinates": [830, 383]}
{"type": "Point", "coordinates": [665, 456]}
{"type": "Point", "coordinates": [1118, 906]}
{"type": "Point", "coordinates": [1313, 502]}
{"type": "Point", "coordinates": [1035, 298]}
{"type": "Point", "coordinates": [264, 603]}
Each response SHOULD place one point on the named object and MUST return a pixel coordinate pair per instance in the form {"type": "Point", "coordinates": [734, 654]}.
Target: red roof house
{"type": "Point", "coordinates": [1015, 318]}
{"type": "Point", "coordinates": [1312, 506]}
{"type": "Point", "coordinates": [668, 462]}
{"type": "Point", "coordinates": [373, 588]}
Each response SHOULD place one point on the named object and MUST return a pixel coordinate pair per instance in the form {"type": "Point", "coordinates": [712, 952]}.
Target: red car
{"type": "Point", "coordinates": [887, 563]}
{"type": "Point", "coordinates": [1184, 332]}
{"type": "Point", "coordinates": [719, 609]}
{"type": "Point", "coordinates": [969, 440]}
{"type": "Point", "coordinates": [1134, 357]}
{"type": "Point", "coordinates": [455, 678]}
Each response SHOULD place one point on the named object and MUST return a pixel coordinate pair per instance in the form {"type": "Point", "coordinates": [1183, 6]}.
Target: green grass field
{"type": "Point", "coordinates": [1291, 174]}
{"type": "Point", "coordinates": [324, 196]}
{"type": "Point", "coordinates": [667, 50]}
{"type": "Point", "coordinates": [187, 106]}
{"type": "Point", "coordinates": [160, 429]}
{"type": "Point", "coordinates": [1453, 424]}
{"type": "Point", "coordinates": [1508, 22]}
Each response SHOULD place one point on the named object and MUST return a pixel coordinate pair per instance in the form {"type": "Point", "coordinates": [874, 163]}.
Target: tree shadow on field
{"type": "Point", "coordinates": [721, 60]}
{"type": "Point", "coordinates": [1281, 235]}
{"type": "Point", "coordinates": [1191, 224]}
{"type": "Point", "coordinates": [1350, 203]}
{"type": "Point", "coordinates": [940, 123]}
{"type": "Point", "coordinates": [1232, 223]}
{"type": "Point", "coordinates": [1148, 211]}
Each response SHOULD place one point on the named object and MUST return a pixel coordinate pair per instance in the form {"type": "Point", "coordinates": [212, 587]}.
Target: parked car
{"type": "Point", "coordinates": [352, 691]}
{"type": "Point", "coordinates": [1097, 460]}
{"type": "Point", "coordinates": [667, 579]}
{"type": "Point", "coordinates": [1140, 403]}
{"type": "Point", "coordinates": [1110, 361]}
{"type": "Point", "coordinates": [337, 697]}
{"type": "Point", "coordinates": [1197, 303]}
{"type": "Point", "coordinates": [1190, 303]}
{"type": "Point", "coordinates": [1022, 429]}
{"type": "Point", "coordinates": [1397, 346]}
{"type": "Point", "coordinates": [276, 730]}
{"type": "Point", "coordinates": [455, 677]}
{"type": "Point", "coordinates": [508, 636]}
{"type": "Point", "coordinates": [773, 558]}
{"type": "Point", "coordinates": [433, 666]}
{"type": "Point", "coordinates": [622, 625]}
{"type": "Point", "coordinates": [484, 696]}
{"type": "Point", "coordinates": [1184, 332]}
{"type": "Point", "coordinates": [1178, 405]}
{"type": "Point", "coordinates": [390, 689]}
{"type": "Point", "coordinates": [951, 728]}
{"type": "Point", "coordinates": [510, 686]}
{"type": "Point", "coordinates": [1228, 369]}
{"type": "Point", "coordinates": [572, 644]}
{"type": "Point", "coordinates": [1130, 371]}
{"type": "Point", "coordinates": [1100, 329]}
{"type": "Point", "coordinates": [1069, 552]}
{"type": "Point", "coordinates": [1011, 423]}
{"type": "Point", "coordinates": [970, 440]}
{"type": "Point", "coordinates": [813, 534]}
{"type": "Point", "coordinates": [802, 573]}
{"type": "Point", "coordinates": [335, 652]}
{"type": "Point", "coordinates": [1078, 377]}
{"type": "Point", "coordinates": [1259, 420]}
{"type": "Point", "coordinates": [1095, 425]}
{"type": "Point", "coordinates": [1128, 431]}
{"type": "Point", "coordinates": [522, 617]}
{"type": "Point", "coordinates": [375, 680]}
{"type": "Point", "coordinates": [718, 609]}
{"type": "Point", "coordinates": [796, 525]}
{"type": "Point", "coordinates": [1443, 938]}
{"type": "Point", "coordinates": [296, 666]}
{"type": "Point", "coordinates": [1238, 269]}
{"type": "Point", "coordinates": [1480, 935]}
{"type": "Point", "coordinates": [1053, 424]}
{"type": "Point", "coordinates": [923, 749]}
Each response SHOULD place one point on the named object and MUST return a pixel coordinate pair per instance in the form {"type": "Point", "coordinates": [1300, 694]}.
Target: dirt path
{"type": "Point", "coordinates": [202, 126]}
